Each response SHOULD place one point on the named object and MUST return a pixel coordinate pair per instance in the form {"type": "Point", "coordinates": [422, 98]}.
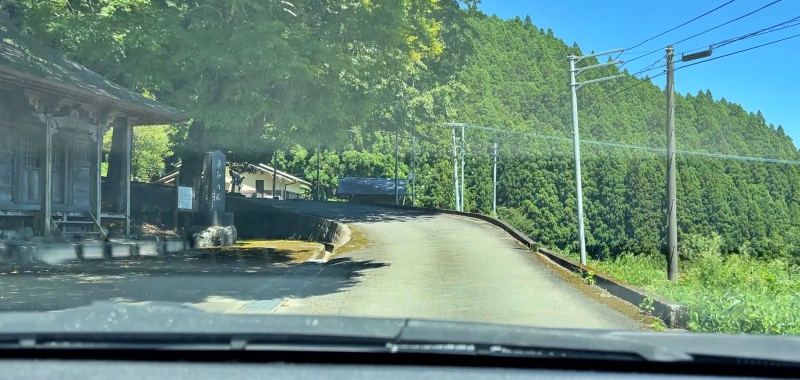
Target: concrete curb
{"type": "Point", "coordinates": [329, 249]}
{"type": "Point", "coordinates": [674, 316]}
{"type": "Point", "coordinates": [26, 252]}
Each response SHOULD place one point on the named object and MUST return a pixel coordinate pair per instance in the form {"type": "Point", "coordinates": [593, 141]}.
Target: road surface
{"type": "Point", "coordinates": [444, 267]}
{"type": "Point", "coordinates": [415, 264]}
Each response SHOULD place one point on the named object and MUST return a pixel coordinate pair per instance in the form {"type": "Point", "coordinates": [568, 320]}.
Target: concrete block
{"type": "Point", "coordinates": [120, 250]}
{"type": "Point", "coordinates": [9, 235]}
{"type": "Point", "coordinates": [93, 250]}
{"type": "Point", "coordinates": [55, 253]}
{"type": "Point", "coordinates": [25, 233]}
{"type": "Point", "coordinates": [149, 248]}
{"type": "Point", "coordinates": [173, 246]}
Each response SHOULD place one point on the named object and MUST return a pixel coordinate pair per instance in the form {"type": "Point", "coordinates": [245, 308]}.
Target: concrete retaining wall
{"type": "Point", "coordinates": [254, 219]}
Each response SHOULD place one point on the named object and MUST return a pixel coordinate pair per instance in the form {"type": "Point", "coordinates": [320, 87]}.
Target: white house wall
{"type": "Point", "coordinates": [249, 183]}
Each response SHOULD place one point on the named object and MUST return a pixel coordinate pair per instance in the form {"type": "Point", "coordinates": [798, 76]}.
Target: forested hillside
{"type": "Point", "coordinates": [517, 80]}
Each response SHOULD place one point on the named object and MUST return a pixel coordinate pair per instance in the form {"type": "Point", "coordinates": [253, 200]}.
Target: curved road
{"type": "Point", "coordinates": [441, 266]}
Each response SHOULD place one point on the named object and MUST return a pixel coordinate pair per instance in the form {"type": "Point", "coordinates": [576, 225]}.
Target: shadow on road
{"type": "Point", "coordinates": [350, 212]}
{"type": "Point", "coordinates": [185, 280]}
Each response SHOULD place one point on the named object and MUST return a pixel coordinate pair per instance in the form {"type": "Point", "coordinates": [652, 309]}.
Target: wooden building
{"type": "Point", "coordinates": [257, 182]}
{"type": "Point", "coordinates": [53, 115]}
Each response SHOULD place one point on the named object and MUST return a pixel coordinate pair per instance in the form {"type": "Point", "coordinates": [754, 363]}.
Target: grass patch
{"type": "Point", "coordinates": [723, 293]}
{"type": "Point", "coordinates": [292, 251]}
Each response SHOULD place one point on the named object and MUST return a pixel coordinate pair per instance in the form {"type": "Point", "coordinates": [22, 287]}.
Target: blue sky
{"type": "Point", "coordinates": [766, 79]}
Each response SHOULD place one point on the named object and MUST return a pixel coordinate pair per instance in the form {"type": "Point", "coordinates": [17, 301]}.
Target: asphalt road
{"type": "Point", "coordinates": [416, 264]}
{"type": "Point", "coordinates": [218, 283]}
{"type": "Point", "coordinates": [444, 267]}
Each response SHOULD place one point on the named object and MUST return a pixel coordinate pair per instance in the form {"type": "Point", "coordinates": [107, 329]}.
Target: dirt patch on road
{"type": "Point", "coordinates": [357, 241]}
{"type": "Point", "coordinates": [281, 251]}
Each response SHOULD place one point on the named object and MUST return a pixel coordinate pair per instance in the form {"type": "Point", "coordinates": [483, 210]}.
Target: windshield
{"type": "Point", "coordinates": [602, 165]}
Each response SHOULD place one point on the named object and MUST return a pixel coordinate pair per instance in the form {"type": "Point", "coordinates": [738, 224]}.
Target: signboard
{"type": "Point", "coordinates": [185, 196]}
{"type": "Point", "coordinates": [216, 181]}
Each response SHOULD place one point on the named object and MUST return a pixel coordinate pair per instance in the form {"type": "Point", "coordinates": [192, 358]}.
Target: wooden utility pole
{"type": "Point", "coordinates": [672, 204]}
{"type": "Point", "coordinates": [274, 172]}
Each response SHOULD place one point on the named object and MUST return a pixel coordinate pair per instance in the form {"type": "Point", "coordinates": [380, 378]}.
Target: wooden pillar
{"type": "Point", "coordinates": [96, 174]}
{"type": "Point", "coordinates": [128, 154]}
{"type": "Point", "coordinates": [46, 177]}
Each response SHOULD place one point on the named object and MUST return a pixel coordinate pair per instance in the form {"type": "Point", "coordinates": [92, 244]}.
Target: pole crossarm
{"type": "Point", "coordinates": [580, 58]}
{"type": "Point", "coordinates": [578, 71]}
{"type": "Point", "coordinates": [581, 84]}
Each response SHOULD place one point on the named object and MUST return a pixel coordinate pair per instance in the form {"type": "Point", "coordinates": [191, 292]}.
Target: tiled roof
{"type": "Point", "coordinates": [24, 61]}
{"type": "Point", "coordinates": [370, 186]}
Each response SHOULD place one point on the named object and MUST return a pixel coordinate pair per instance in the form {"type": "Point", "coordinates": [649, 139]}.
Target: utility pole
{"type": "Point", "coordinates": [673, 254]}
{"type": "Point", "coordinates": [455, 171]}
{"type": "Point", "coordinates": [274, 171]}
{"type": "Point", "coordinates": [413, 169]}
{"type": "Point", "coordinates": [574, 87]}
{"type": "Point", "coordinates": [396, 169]}
{"type": "Point", "coordinates": [672, 202]}
{"type": "Point", "coordinates": [463, 154]}
{"type": "Point", "coordinates": [494, 180]}
{"type": "Point", "coordinates": [318, 181]}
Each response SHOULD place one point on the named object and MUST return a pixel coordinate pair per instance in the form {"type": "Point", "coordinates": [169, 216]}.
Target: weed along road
{"type": "Point", "coordinates": [443, 267]}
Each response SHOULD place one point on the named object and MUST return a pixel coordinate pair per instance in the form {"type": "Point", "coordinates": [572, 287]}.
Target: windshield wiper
{"type": "Point", "coordinates": [552, 349]}
{"type": "Point", "coordinates": [159, 326]}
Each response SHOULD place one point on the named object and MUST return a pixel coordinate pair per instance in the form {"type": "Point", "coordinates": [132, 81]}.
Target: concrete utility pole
{"type": "Point", "coordinates": [413, 169]}
{"type": "Point", "coordinates": [672, 202]}
{"type": "Point", "coordinates": [574, 87]}
{"type": "Point", "coordinates": [396, 170]}
{"type": "Point", "coordinates": [494, 180]}
{"type": "Point", "coordinates": [672, 193]}
{"type": "Point", "coordinates": [455, 171]}
{"type": "Point", "coordinates": [318, 182]}
{"type": "Point", "coordinates": [463, 154]}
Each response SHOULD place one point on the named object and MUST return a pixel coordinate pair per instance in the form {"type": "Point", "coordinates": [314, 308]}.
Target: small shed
{"type": "Point", "coordinates": [53, 114]}
{"type": "Point", "coordinates": [372, 190]}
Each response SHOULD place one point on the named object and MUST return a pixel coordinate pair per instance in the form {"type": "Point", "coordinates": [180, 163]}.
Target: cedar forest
{"type": "Point", "coordinates": [291, 77]}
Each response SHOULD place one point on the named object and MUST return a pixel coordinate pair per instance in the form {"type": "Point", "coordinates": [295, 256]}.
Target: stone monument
{"type": "Point", "coordinates": [210, 225]}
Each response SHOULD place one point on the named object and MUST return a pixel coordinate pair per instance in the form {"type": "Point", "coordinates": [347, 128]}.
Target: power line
{"type": "Point", "coordinates": [636, 84]}
{"type": "Point", "coordinates": [687, 22]}
{"type": "Point", "coordinates": [641, 147]}
{"type": "Point", "coordinates": [784, 25]}
{"type": "Point", "coordinates": [738, 51]}
{"type": "Point", "coordinates": [707, 30]}
{"type": "Point", "coordinates": [649, 68]}
{"type": "Point", "coordinates": [699, 62]}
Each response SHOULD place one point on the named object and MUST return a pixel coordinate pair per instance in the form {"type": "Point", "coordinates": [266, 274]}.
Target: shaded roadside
{"type": "Point", "coordinates": [236, 274]}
